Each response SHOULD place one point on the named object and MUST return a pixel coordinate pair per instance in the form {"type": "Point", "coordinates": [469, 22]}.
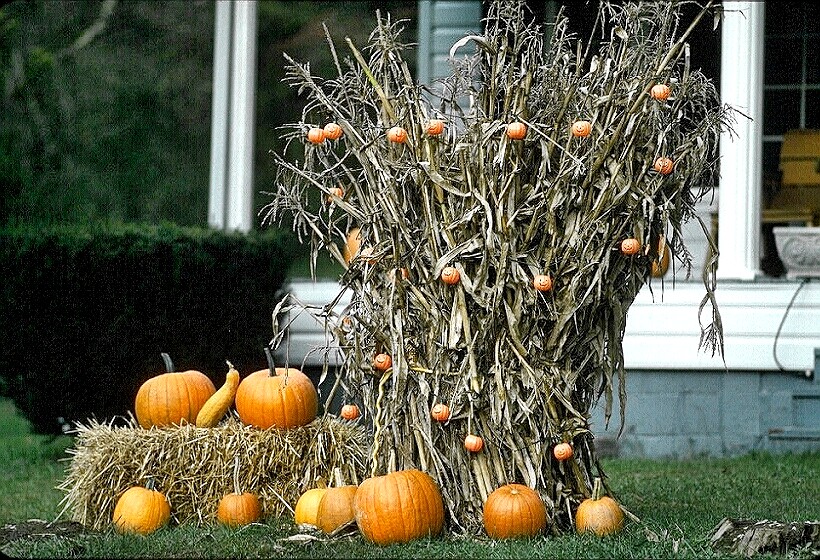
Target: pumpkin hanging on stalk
{"type": "Point", "coordinates": [173, 397]}
{"type": "Point", "coordinates": [516, 131]}
{"type": "Point", "coordinates": [581, 129]}
{"type": "Point", "coordinates": [277, 397]}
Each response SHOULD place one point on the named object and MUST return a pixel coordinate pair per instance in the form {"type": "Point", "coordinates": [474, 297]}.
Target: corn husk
{"type": "Point", "coordinates": [518, 367]}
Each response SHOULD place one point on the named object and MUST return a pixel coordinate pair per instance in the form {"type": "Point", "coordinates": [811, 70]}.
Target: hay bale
{"type": "Point", "coordinates": [194, 467]}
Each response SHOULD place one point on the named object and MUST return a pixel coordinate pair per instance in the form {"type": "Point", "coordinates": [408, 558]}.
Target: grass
{"type": "Point", "coordinates": [679, 503]}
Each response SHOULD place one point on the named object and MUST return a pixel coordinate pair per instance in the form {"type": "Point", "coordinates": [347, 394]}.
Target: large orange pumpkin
{"type": "Point", "coordinates": [276, 397]}
{"type": "Point", "coordinates": [173, 397]}
{"type": "Point", "coordinates": [514, 510]}
{"type": "Point", "coordinates": [141, 510]}
{"type": "Point", "coordinates": [399, 507]}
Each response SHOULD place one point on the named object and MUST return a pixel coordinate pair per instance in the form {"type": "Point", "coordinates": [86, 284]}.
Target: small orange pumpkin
{"type": "Point", "coordinates": [397, 135]}
{"type": "Point", "coordinates": [630, 246]}
{"type": "Point", "coordinates": [450, 275]}
{"type": "Point", "coordinates": [435, 127]}
{"type": "Point", "coordinates": [562, 451]}
{"type": "Point", "coordinates": [352, 244]}
{"type": "Point", "coordinates": [350, 412]}
{"type": "Point", "coordinates": [660, 92]}
{"type": "Point", "coordinates": [440, 412]}
{"type": "Point", "coordinates": [599, 514]}
{"type": "Point", "coordinates": [660, 266]}
{"type": "Point", "coordinates": [663, 165]}
{"type": "Point", "coordinates": [542, 282]}
{"type": "Point", "coordinates": [514, 510]}
{"type": "Point", "coordinates": [473, 443]}
{"type": "Point", "coordinates": [581, 128]}
{"type": "Point", "coordinates": [316, 135]}
{"type": "Point", "coordinates": [332, 131]}
{"type": "Point", "coordinates": [382, 361]}
{"type": "Point", "coordinates": [516, 131]}
{"type": "Point", "coordinates": [307, 506]}
{"type": "Point", "coordinates": [335, 191]}
{"type": "Point", "coordinates": [336, 508]}
{"type": "Point", "coordinates": [141, 510]}
{"type": "Point", "coordinates": [237, 509]}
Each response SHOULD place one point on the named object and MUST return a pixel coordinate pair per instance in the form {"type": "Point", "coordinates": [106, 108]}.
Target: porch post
{"type": "Point", "coordinates": [741, 86]}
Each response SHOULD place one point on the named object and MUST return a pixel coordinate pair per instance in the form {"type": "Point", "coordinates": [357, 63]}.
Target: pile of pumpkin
{"type": "Point", "coordinates": [397, 507]}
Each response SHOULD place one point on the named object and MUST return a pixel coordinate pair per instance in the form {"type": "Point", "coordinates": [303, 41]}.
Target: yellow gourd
{"type": "Point", "coordinates": [220, 402]}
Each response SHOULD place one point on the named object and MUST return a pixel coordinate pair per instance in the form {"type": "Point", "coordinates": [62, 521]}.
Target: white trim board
{"type": "Point", "coordinates": [663, 333]}
{"type": "Point", "coordinates": [662, 330]}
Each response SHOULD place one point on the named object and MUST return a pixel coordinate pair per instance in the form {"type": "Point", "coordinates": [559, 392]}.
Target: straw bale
{"type": "Point", "coordinates": [195, 467]}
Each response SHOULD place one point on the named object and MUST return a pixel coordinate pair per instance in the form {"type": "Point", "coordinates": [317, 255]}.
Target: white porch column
{"type": "Point", "coordinates": [230, 202]}
{"type": "Point", "coordinates": [741, 86]}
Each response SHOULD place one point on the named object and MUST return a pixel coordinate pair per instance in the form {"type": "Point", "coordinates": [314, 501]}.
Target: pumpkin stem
{"type": "Point", "coordinates": [236, 475]}
{"type": "Point", "coordinates": [149, 483]}
{"type": "Point", "coordinates": [596, 489]}
{"type": "Point", "coordinates": [169, 365]}
{"type": "Point", "coordinates": [271, 365]}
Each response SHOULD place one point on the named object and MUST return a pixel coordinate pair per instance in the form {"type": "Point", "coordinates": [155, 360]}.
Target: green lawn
{"type": "Point", "coordinates": [679, 503]}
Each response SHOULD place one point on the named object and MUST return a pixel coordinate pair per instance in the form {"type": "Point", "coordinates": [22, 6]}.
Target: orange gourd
{"type": "Point", "coordinates": [440, 412]}
{"type": "Point", "coordinates": [382, 361]}
{"type": "Point", "coordinates": [562, 451]}
{"type": "Point", "coordinates": [397, 135]}
{"type": "Point", "coordinates": [332, 131]}
{"type": "Point", "coordinates": [542, 282]}
{"type": "Point", "coordinates": [435, 127]}
{"type": "Point", "coordinates": [630, 246]}
{"type": "Point", "coordinates": [173, 397]}
{"type": "Point", "coordinates": [473, 443]}
{"type": "Point", "coordinates": [581, 128]}
{"type": "Point", "coordinates": [514, 510]}
{"type": "Point", "coordinates": [141, 510]}
{"type": "Point", "coordinates": [450, 275]}
{"type": "Point", "coordinates": [663, 165]}
{"type": "Point", "coordinates": [316, 135]}
{"type": "Point", "coordinates": [599, 514]}
{"type": "Point", "coordinates": [516, 131]}
{"type": "Point", "coordinates": [350, 412]}
{"type": "Point", "coordinates": [660, 92]}
{"type": "Point", "coordinates": [399, 507]}
{"type": "Point", "coordinates": [276, 397]}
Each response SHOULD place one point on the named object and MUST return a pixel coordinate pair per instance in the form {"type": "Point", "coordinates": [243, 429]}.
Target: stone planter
{"type": "Point", "coordinates": [799, 249]}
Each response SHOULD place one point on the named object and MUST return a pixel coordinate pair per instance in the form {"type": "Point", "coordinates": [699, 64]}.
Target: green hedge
{"type": "Point", "coordinates": [87, 311]}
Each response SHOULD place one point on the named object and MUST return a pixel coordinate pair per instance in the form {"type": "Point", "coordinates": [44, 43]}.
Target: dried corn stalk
{"type": "Point", "coordinates": [518, 367]}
